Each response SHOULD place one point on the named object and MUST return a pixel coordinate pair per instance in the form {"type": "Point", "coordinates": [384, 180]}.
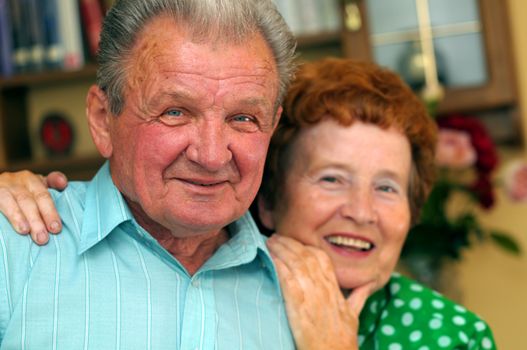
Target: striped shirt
{"type": "Point", "coordinates": [105, 283]}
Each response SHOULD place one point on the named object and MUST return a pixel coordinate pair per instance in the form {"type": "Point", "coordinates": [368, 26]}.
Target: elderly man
{"type": "Point", "coordinates": [157, 251]}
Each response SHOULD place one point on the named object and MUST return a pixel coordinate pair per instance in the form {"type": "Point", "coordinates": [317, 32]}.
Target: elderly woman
{"type": "Point", "coordinates": [348, 170]}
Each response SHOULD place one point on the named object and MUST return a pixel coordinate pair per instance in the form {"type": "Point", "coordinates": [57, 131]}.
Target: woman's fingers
{"type": "Point", "coordinates": [26, 202]}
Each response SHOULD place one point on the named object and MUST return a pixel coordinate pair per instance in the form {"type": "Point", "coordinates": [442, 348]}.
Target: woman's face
{"type": "Point", "coordinates": [347, 193]}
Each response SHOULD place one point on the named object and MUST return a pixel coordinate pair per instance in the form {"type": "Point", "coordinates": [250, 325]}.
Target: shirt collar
{"type": "Point", "coordinates": [104, 210]}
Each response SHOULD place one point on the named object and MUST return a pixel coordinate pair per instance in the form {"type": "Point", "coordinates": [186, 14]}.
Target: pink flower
{"type": "Point", "coordinates": [515, 176]}
{"type": "Point", "coordinates": [454, 149]}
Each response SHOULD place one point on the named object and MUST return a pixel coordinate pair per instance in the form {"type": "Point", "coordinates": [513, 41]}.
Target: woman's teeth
{"type": "Point", "coordinates": [352, 243]}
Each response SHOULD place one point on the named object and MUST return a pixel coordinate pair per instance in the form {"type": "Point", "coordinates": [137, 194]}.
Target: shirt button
{"type": "Point", "coordinates": [195, 283]}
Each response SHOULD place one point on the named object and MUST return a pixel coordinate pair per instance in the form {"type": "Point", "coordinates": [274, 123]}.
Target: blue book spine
{"type": "Point", "coordinates": [35, 19]}
{"type": "Point", "coordinates": [20, 35]}
{"type": "Point", "coordinates": [53, 42]}
{"type": "Point", "coordinates": [6, 43]}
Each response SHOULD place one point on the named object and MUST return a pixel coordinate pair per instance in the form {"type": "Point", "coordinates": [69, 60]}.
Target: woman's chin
{"type": "Point", "coordinates": [352, 281]}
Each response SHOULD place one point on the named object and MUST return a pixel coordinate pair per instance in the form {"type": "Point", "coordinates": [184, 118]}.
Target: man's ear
{"type": "Point", "coordinates": [98, 114]}
{"type": "Point", "coordinates": [265, 214]}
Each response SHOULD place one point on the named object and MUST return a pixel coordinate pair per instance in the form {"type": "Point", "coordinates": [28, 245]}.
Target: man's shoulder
{"type": "Point", "coordinates": [76, 191]}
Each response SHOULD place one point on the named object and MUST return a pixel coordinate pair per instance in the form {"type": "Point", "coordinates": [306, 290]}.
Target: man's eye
{"type": "Point", "coordinates": [174, 113]}
{"type": "Point", "coordinates": [244, 123]}
{"type": "Point", "coordinates": [242, 118]}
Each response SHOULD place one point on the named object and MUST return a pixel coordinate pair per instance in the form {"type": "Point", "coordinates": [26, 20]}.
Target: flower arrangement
{"type": "Point", "coordinates": [466, 160]}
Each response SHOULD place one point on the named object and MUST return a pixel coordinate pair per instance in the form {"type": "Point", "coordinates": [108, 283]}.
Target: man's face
{"type": "Point", "coordinates": [190, 144]}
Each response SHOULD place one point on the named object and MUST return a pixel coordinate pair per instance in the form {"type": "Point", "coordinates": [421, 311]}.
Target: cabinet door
{"type": "Point", "coordinates": [471, 41]}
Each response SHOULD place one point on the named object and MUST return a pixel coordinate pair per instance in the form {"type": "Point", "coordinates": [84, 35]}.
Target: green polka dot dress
{"type": "Point", "coordinates": [406, 315]}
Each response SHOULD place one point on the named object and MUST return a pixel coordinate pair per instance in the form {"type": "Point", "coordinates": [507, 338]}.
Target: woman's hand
{"type": "Point", "coordinates": [319, 315]}
{"type": "Point", "coordinates": [27, 204]}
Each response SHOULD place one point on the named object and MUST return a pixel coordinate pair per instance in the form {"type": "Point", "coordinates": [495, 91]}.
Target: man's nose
{"type": "Point", "coordinates": [210, 146]}
{"type": "Point", "coordinates": [360, 206]}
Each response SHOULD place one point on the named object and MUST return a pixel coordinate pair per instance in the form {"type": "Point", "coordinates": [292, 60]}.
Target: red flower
{"type": "Point", "coordinates": [487, 157]}
{"type": "Point", "coordinates": [484, 191]}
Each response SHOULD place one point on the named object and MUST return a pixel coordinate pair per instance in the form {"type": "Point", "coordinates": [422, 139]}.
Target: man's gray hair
{"type": "Point", "coordinates": [231, 20]}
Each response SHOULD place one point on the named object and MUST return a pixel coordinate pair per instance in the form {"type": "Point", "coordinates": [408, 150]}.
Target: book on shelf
{"type": "Point", "coordinates": [33, 10]}
{"type": "Point", "coordinates": [290, 11]}
{"type": "Point", "coordinates": [54, 46]}
{"type": "Point", "coordinates": [330, 13]}
{"type": "Point", "coordinates": [20, 36]}
{"type": "Point", "coordinates": [6, 44]}
{"type": "Point", "coordinates": [92, 14]}
{"type": "Point", "coordinates": [309, 17]}
{"type": "Point", "coordinates": [70, 33]}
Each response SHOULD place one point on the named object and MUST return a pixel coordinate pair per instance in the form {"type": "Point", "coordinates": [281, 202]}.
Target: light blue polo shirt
{"type": "Point", "coordinates": [105, 283]}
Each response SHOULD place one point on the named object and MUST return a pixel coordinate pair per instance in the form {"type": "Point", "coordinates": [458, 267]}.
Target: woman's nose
{"type": "Point", "coordinates": [360, 206]}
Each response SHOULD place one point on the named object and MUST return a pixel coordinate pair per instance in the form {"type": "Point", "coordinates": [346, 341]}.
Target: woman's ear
{"type": "Point", "coordinates": [98, 114]}
{"type": "Point", "coordinates": [265, 214]}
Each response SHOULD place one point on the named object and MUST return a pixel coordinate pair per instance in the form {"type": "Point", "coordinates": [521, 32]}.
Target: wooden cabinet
{"type": "Point", "coordinates": [499, 89]}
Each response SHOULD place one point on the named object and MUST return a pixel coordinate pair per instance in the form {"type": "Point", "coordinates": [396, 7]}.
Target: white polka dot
{"type": "Point", "coordinates": [361, 339]}
{"type": "Point", "coordinates": [384, 314]}
{"type": "Point", "coordinates": [435, 324]}
{"type": "Point", "coordinates": [395, 287]}
{"type": "Point", "coordinates": [444, 341]}
{"type": "Point", "coordinates": [459, 321]}
{"type": "Point", "coordinates": [407, 319]}
{"type": "Point", "coordinates": [396, 274]}
{"type": "Point", "coordinates": [415, 336]}
{"type": "Point", "coordinates": [398, 302]}
{"type": "Point", "coordinates": [395, 346]}
{"type": "Point", "coordinates": [416, 303]}
{"type": "Point", "coordinates": [373, 307]}
{"type": "Point", "coordinates": [460, 308]}
{"type": "Point", "coordinates": [463, 337]}
{"type": "Point", "coordinates": [388, 330]}
{"type": "Point", "coordinates": [486, 343]}
{"type": "Point", "coordinates": [471, 343]}
{"type": "Point", "coordinates": [416, 287]}
{"type": "Point", "coordinates": [424, 347]}
{"type": "Point", "coordinates": [438, 315]}
{"type": "Point", "coordinates": [372, 328]}
{"type": "Point", "coordinates": [438, 304]}
{"type": "Point", "coordinates": [480, 326]}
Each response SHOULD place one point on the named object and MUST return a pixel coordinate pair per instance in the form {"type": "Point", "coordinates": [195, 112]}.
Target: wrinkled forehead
{"type": "Point", "coordinates": [168, 45]}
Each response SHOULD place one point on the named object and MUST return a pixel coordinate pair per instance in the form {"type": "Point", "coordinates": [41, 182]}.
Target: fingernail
{"type": "Point", "coordinates": [42, 237]}
{"type": "Point", "coordinates": [54, 226]}
{"type": "Point", "coordinates": [23, 227]}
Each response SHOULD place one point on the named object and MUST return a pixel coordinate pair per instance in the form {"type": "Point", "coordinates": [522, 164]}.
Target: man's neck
{"type": "Point", "coordinates": [192, 251]}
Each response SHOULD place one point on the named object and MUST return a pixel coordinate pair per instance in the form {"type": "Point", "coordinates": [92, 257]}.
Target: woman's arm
{"type": "Point", "coordinates": [27, 204]}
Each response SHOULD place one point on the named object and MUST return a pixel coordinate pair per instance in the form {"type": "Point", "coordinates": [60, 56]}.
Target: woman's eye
{"type": "Point", "coordinates": [387, 189]}
{"type": "Point", "coordinates": [329, 179]}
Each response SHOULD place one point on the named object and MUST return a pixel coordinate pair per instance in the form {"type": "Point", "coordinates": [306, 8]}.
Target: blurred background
{"type": "Point", "coordinates": [467, 59]}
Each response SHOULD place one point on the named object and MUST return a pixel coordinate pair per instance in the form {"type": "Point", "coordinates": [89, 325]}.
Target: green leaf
{"type": "Point", "coordinates": [506, 242]}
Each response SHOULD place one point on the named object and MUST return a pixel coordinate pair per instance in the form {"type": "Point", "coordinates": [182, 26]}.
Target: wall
{"type": "Point", "coordinates": [494, 284]}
